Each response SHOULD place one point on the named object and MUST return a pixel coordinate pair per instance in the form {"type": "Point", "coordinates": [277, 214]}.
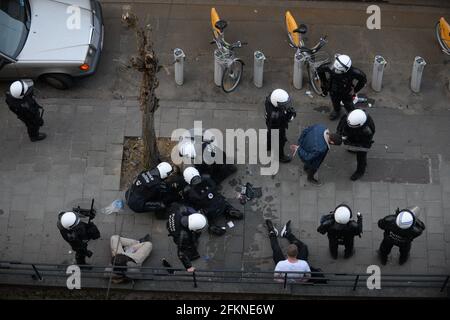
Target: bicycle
{"type": "Point", "coordinates": [443, 35]}
{"type": "Point", "coordinates": [232, 66]}
{"type": "Point", "coordinates": [311, 56]}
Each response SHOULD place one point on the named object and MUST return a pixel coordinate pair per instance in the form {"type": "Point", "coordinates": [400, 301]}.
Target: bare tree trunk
{"type": "Point", "coordinates": [146, 62]}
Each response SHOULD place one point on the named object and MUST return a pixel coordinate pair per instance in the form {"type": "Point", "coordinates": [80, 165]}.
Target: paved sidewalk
{"type": "Point", "coordinates": [82, 156]}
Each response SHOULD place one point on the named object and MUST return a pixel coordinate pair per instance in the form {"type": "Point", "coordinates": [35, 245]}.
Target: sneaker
{"type": "Point", "coordinates": [356, 176]}
{"type": "Point", "coordinates": [146, 238]}
{"type": "Point", "coordinates": [286, 229]}
{"type": "Point", "coordinates": [315, 182]}
{"type": "Point", "coordinates": [273, 232]}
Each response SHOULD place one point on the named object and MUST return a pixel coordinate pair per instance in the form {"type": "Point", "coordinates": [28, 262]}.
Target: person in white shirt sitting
{"type": "Point", "coordinates": [295, 266]}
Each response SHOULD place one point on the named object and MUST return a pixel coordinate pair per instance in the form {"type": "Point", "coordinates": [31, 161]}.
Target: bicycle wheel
{"type": "Point", "coordinates": [314, 80]}
{"type": "Point", "coordinates": [232, 75]}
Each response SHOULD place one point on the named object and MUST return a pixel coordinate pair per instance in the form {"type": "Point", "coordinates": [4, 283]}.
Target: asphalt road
{"type": "Point", "coordinates": [406, 31]}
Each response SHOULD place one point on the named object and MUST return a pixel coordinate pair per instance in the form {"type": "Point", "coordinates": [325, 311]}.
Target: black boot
{"type": "Point", "coordinates": [383, 258]}
{"type": "Point", "coordinates": [403, 259]}
{"type": "Point", "coordinates": [39, 137]}
{"type": "Point", "coordinates": [356, 175]}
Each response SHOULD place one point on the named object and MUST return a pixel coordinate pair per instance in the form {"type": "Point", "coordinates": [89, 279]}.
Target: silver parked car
{"type": "Point", "coordinates": [54, 40]}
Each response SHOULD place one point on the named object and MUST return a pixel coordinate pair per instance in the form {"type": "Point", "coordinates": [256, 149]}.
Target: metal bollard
{"type": "Point", "coordinates": [179, 56]}
{"type": "Point", "coordinates": [298, 71]}
{"type": "Point", "coordinates": [258, 68]}
{"type": "Point", "coordinates": [377, 76]}
{"type": "Point", "coordinates": [416, 75]}
{"type": "Point", "coordinates": [218, 68]}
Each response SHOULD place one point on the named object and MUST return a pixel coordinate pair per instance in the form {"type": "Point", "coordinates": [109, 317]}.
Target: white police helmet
{"type": "Point", "coordinates": [191, 175]}
{"type": "Point", "coordinates": [19, 88]}
{"type": "Point", "coordinates": [342, 63]}
{"type": "Point", "coordinates": [356, 118]}
{"type": "Point", "coordinates": [342, 214]}
{"type": "Point", "coordinates": [187, 149]}
{"type": "Point", "coordinates": [69, 220]}
{"type": "Point", "coordinates": [164, 169]}
{"type": "Point", "coordinates": [280, 97]}
{"type": "Point", "coordinates": [405, 219]}
{"type": "Point", "coordinates": [196, 222]}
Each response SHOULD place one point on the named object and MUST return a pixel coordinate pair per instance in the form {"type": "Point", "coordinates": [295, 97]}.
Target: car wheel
{"type": "Point", "coordinates": [59, 80]}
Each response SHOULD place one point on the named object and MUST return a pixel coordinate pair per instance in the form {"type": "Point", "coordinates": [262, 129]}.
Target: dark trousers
{"type": "Point", "coordinates": [334, 242]}
{"type": "Point", "coordinates": [346, 99]}
{"type": "Point", "coordinates": [387, 244]}
{"type": "Point", "coordinates": [361, 161]}
{"type": "Point", "coordinates": [310, 171]}
{"type": "Point", "coordinates": [278, 254]}
{"type": "Point", "coordinates": [81, 252]}
{"type": "Point", "coordinates": [33, 131]}
{"type": "Point", "coordinates": [281, 139]}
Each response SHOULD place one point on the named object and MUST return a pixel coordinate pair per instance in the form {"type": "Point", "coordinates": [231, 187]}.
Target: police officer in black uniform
{"type": "Point", "coordinates": [213, 161]}
{"type": "Point", "coordinates": [202, 194]}
{"type": "Point", "coordinates": [279, 112]}
{"type": "Point", "coordinates": [20, 100]}
{"type": "Point", "coordinates": [185, 225]}
{"type": "Point", "coordinates": [77, 233]}
{"type": "Point", "coordinates": [357, 130]}
{"type": "Point", "coordinates": [400, 229]}
{"type": "Point", "coordinates": [150, 191]}
{"type": "Point", "coordinates": [341, 230]}
{"type": "Point", "coordinates": [338, 80]}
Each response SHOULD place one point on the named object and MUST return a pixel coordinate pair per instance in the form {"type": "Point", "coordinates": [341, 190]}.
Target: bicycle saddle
{"type": "Point", "coordinates": [221, 24]}
{"type": "Point", "coordinates": [301, 29]}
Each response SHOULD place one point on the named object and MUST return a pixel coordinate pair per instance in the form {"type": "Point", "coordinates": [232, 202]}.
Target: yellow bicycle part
{"type": "Point", "coordinates": [214, 18]}
{"type": "Point", "coordinates": [444, 31]}
{"type": "Point", "coordinates": [291, 25]}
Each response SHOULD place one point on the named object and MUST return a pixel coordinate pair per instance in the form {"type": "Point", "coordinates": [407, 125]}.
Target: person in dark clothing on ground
{"type": "Point", "coordinates": [279, 112]}
{"type": "Point", "coordinates": [21, 101]}
{"type": "Point", "coordinates": [213, 161]}
{"type": "Point", "coordinates": [357, 130]}
{"type": "Point", "coordinates": [150, 191]}
{"type": "Point", "coordinates": [400, 229]}
{"type": "Point", "coordinates": [339, 80]}
{"type": "Point", "coordinates": [185, 225]}
{"type": "Point", "coordinates": [202, 194]}
{"type": "Point", "coordinates": [341, 230]}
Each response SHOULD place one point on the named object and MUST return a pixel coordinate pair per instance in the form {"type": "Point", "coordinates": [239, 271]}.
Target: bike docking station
{"type": "Point", "coordinates": [379, 64]}
{"type": "Point", "coordinates": [258, 69]}
{"type": "Point", "coordinates": [179, 57]}
{"type": "Point", "coordinates": [219, 66]}
{"type": "Point", "coordinates": [297, 79]}
{"type": "Point", "coordinates": [416, 74]}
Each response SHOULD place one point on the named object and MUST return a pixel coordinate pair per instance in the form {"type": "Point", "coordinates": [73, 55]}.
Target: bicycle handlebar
{"type": "Point", "coordinates": [317, 47]}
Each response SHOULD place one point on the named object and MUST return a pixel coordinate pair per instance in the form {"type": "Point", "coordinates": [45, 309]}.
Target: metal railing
{"type": "Point", "coordinates": [41, 271]}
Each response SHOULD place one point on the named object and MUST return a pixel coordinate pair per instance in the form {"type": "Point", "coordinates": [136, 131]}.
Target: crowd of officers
{"type": "Point", "coordinates": [189, 198]}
